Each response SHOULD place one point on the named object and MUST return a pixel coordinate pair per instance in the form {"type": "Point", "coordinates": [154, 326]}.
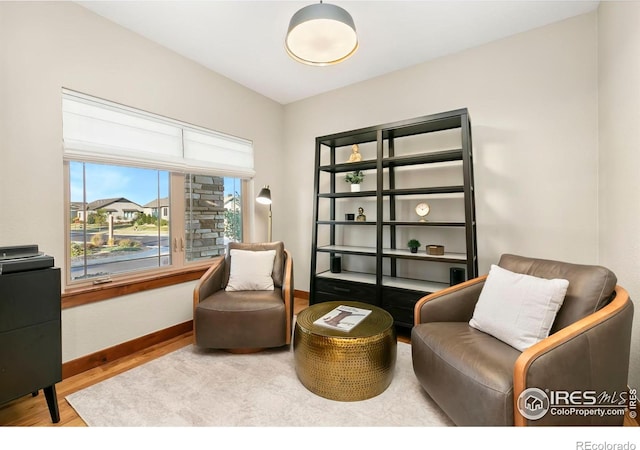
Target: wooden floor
{"type": "Point", "coordinates": [31, 411]}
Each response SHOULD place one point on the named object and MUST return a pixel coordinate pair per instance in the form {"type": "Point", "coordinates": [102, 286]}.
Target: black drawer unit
{"type": "Point", "coordinates": [335, 290]}
{"type": "Point", "coordinates": [30, 335]}
{"type": "Point", "coordinates": [400, 304]}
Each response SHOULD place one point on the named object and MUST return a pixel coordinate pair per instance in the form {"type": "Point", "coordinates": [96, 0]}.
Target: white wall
{"type": "Point", "coordinates": [619, 121]}
{"type": "Point", "coordinates": [532, 99]}
{"type": "Point", "coordinates": [45, 46]}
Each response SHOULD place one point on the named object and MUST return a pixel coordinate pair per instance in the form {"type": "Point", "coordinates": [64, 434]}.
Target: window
{"type": "Point", "coordinates": [120, 220]}
{"type": "Point", "coordinates": [114, 224]}
{"type": "Point", "coordinates": [147, 193]}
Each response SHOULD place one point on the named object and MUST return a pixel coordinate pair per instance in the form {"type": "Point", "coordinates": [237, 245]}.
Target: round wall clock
{"type": "Point", "coordinates": [422, 209]}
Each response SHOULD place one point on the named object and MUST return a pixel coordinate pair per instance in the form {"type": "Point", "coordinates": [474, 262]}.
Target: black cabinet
{"type": "Point", "coordinates": [335, 289]}
{"type": "Point", "coordinates": [400, 303]}
{"type": "Point", "coordinates": [416, 184]}
{"type": "Point", "coordinates": [30, 335]}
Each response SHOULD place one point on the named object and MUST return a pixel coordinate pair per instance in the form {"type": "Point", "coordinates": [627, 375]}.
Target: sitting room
{"type": "Point", "coordinates": [428, 225]}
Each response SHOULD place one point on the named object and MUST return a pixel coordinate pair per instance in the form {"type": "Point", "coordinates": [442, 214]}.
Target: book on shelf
{"type": "Point", "coordinates": [343, 318]}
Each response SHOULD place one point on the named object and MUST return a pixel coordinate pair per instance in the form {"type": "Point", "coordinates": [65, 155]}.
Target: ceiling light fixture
{"type": "Point", "coordinates": [321, 34]}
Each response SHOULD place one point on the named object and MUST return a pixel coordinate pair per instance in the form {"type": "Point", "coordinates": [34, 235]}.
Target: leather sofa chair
{"type": "Point", "coordinates": [244, 321]}
{"type": "Point", "coordinates": [477, 379]}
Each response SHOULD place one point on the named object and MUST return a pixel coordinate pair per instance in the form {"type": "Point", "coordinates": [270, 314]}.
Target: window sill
{"type": "Point", "coordinates": [89, 294]}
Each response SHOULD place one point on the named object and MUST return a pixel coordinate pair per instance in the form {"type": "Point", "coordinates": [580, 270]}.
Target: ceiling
{"type": "Point", "coordinates": [244, 40]}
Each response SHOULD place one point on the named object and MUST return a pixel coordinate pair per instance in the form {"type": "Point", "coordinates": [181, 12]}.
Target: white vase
{"type": "Point", "coordinates": [355, 187]}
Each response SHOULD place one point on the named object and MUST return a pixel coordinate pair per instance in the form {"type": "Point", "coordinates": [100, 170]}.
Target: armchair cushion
{"type": "Point", "coordinates": [241, 319]}
{"type": "Point", "coordinates": [590, 287]}
{"type": "Point", "coordinates": [467, 372]}
{"type": "Point", "coordinates": [278, 263]}
{"type": "Point", "coordinates": [251, 270]}
{"type": "Point", "coordinates": [516, 308]}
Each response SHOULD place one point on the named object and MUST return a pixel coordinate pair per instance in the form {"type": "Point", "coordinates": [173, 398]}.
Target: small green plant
{"type": "Point", "coordinates": [413, 243]}
{"type": "Point", "coordinates": [354, 177]}
{"type": "Point", "coordinates": [76, 249]}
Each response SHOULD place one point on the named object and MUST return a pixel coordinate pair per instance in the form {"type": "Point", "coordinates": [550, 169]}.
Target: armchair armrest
{"type": "Point", "coordinates": [592, 353]}
{"type": "Point", "coordinates": [209, 282]}
{"type": "Point", "coordinates": [288, 292]}
{"type": "Point", "coordinates": [453, 304]}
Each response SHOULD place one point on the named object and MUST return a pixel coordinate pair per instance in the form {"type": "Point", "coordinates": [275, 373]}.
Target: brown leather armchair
{"type": "Point", "coordinates": [244, 321]}
{"type": "Point", "coordinates": [477, 379]}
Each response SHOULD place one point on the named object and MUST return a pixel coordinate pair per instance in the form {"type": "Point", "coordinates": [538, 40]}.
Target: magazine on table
{"type": "Point", "coordinates": [343, 318]}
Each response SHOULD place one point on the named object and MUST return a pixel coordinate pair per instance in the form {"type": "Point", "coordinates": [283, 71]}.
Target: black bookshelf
{"type": "Point", "coordinates": [385, 282]}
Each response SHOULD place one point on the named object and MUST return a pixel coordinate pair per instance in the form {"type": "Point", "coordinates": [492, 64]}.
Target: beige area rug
{"type": "Point", "coordinates": [195, 387]}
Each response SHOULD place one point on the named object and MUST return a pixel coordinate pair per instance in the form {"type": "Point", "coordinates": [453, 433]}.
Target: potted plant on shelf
{"type": "Point", "coordinates": [355, 178]}
{"type": "Point", "coordinates": [413, 245]}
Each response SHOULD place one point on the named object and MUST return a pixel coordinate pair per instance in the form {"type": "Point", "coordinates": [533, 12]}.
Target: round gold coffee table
{"type": "Point", "coordinates": [345, 365]}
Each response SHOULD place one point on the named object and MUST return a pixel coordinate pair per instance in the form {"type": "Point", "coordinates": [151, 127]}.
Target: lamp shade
{"type": "Point", "coordinates": [321, 34]}
{"type": "Point", "coordinates": [264, 196]}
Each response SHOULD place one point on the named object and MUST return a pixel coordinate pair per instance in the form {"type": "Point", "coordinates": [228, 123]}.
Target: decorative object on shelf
{"type": "Point", "coordinates": [349, 217]}
{"type": "Point", "coordinates": [456, 275]}
{"type": "Point", "coordinates": [321, 34]}
{"type": "Point", "coordinates": [422, 209]}
{"type": "Point", "coordinates": [264, 198]}
{"type": "Point", "coordinates": [355, 154]}
{"type": "Point", "coordinates": [355, 178]}
{"type": "Point", "coordinates": [336, 264]}
{"type": "Point", "coordinates": [413, 245]}
{"type": "Point", "coordinates": [437, 250]}
{"type": "Point", "coordinates": [361, 217]}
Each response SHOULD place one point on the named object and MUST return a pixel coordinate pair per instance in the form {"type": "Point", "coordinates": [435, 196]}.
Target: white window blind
{"type": "Point", "coordinates": [216, 151]}
{"type": "Point", "coordinates": [100, 131]}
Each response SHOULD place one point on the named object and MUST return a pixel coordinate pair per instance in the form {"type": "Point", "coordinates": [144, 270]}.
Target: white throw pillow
{"type": "Point", "coordinates": [251, 271]}
{"type": "Point", "coordinates": [516, 308]}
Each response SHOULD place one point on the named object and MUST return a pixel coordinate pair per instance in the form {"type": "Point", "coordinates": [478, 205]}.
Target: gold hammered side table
{"type": "Point", "coordinates": [345, 366]}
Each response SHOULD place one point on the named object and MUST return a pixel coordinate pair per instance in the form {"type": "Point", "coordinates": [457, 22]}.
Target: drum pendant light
{"type": "Point", "coordinates": [321, 34]}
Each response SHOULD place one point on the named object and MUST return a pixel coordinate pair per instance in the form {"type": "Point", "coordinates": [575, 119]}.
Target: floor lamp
{"type": "Point", "coordinates": [264, 197]}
